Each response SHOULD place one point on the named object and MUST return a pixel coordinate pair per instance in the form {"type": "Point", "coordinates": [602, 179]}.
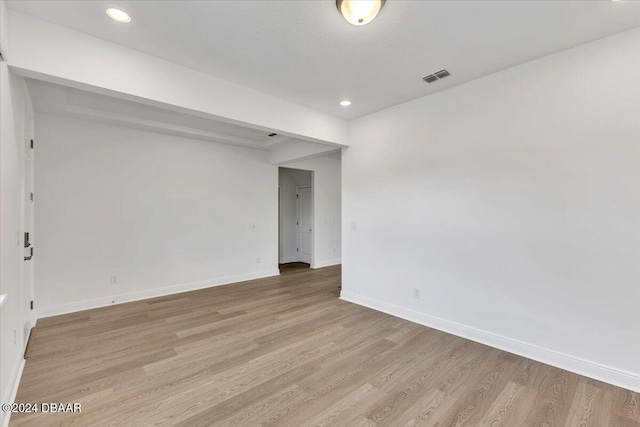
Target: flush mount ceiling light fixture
{"type": "Point", "coordinates": [345, 103]}
{"type": "Point", "coordinates": [359, 12]}
{"type": "Point", "coordinates": [118, 15]}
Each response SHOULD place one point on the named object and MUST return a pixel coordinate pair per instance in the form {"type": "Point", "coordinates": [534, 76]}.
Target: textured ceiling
{"type": "Point", "coordinates": [305, 52]}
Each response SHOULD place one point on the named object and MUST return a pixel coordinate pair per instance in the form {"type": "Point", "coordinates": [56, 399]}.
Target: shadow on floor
{"type": "Point", "coordinates": [293, 267]}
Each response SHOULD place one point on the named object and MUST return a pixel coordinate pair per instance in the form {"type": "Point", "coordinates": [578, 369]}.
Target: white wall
{"type": "Point", "coordinates": [14, 313]}
{"type": "Point", "coordinates": [294, 150]}
{"type": "Point", "coordinates": [4, 28]}
{"type": "Point", "coordinates": [327, 198]}
{"type": "Point", "coordinates": [513, 203]}
{"type": "Point", "coordinates": [289, 179]}
{"type": "Point", "coordinates": [87, 63]}
{"type": "Point", "coordinates": [163, 213]}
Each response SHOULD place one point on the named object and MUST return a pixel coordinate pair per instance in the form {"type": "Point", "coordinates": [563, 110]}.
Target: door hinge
{"type": "Point", "coordinates": [32, 143]}
{"type": "Point", "coordinates": [297, 196]}
{"type": "Point", "coordinates": [31, 305]}
{"type": "Point", "coordinates": [31, 196]}
{"type": "Point", "coordinates": [297, 250]}
{"type": "Point", "coordinates": [297, 222]}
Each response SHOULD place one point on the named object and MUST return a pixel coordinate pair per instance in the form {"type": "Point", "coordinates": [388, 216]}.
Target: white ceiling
{"type": "Point", "coordinates": [305, 52]}
{"type": "Point", "coordinates": [61, 100]}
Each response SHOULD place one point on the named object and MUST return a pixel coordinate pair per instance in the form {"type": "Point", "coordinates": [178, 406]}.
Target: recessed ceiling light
{"type": "Point", "coordinates": [359, 12]}
{"type": "Point", "coordinates": [118, 15]}
{"type": "Point", "coordinates": [345, 103]}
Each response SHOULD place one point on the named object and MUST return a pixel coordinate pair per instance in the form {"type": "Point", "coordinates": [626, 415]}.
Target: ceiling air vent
{"type": "Point", "coordinates": [430, 78]}
{"type": "Point", "coordinates": [436, 76]}
{"type": "Point", "coordinates": [442, 74]}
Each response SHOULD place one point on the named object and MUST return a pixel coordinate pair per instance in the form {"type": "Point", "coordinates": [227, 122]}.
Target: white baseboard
{"type": "Point", "coordinates": [567, 362]}
{"type": "Point", "coordinates": [15, 384]}
{"type": "Point", "coordinates": [6, 416]}
{"type": "Point", "coordinates": [150, 293]}
{"type": "Point", "coordinates": [288, 259]}
{"type": "Point", "coordinates": [328, 263]}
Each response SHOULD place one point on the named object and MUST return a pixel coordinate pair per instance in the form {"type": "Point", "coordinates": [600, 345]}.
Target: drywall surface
{"type": "Point", "coordinates": [14, 315]}
{"type": "Point", "coordinates": [289, 179]}
{"type": "Point", "coordinates": [88, 63]}
{"type": "Point", "coordinates": [327, 209]}
{"type": "Point", "coordinates": [162, 214]}
{"type": "Point", "coordinates": [4, 28]}
{"type": "Point", "coordinates": [513, 204]}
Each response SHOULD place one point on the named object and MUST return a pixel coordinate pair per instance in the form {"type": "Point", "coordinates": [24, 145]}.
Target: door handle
{"type": "Point", "coordinates": [26, 240]}
{"type": "Point", "coordinates": [28, 258]}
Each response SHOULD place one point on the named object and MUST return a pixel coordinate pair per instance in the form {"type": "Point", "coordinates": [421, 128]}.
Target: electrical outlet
{"type": "Point", "coordinates": [416, 293]}
{"type": "Point", "coordinates": [258, 260]}
{"type": "Point", "coordinates": [114, 279]}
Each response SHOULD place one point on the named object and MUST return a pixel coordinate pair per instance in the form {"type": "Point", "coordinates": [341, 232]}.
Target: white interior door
{"type": "Point", "coordinates": [28, 238]}
{"type": "Point", "coordinates": [305, 221]}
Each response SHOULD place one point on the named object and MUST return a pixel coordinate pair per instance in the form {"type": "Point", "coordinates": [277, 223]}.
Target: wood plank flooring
{"type": "Point", "coordinates": [286, 351]}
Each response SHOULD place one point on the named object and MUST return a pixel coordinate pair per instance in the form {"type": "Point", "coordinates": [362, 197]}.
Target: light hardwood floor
{"type": "Point", "coordinates": [286, 351]}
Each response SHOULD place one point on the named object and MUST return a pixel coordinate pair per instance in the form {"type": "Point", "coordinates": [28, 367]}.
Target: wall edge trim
{"type": "Point", "coordinates": [13, 393]}
{"type": "Point", "coordinates": [150, 293]}
{"type": "Point", "coordinates": [587, 368]}
{"type": "Point", "coordinates": [327, 263]}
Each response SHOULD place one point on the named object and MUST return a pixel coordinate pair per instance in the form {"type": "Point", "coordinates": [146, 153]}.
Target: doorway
{"type": "Point", "coordinates": [295, 222]}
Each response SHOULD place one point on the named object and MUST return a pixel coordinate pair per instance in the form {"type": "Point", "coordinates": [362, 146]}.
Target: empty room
{"type": "Point", "coordinates": [320, 212]}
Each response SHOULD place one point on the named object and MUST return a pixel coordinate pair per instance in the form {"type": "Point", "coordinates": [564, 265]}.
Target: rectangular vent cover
{"type": "Point", "coordinates": [430, 78]}
{"type": "Point", "coordinates": [436, 76]}
{"type": "Point", "coordinates": [442, 74]}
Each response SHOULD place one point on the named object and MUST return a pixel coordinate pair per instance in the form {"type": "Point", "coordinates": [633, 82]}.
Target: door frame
{"type": "Point", "coordinates": [313, 223]}
{"type": "Point", "coordinates": [28, 214]}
